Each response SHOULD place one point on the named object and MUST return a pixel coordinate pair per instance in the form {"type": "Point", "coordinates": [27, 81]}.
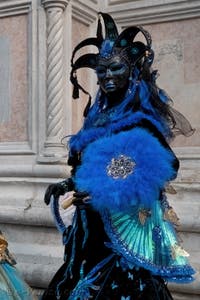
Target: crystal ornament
{"type": "Point", "coordinates": [120, 167]}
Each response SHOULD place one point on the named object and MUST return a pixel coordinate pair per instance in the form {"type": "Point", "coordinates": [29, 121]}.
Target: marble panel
{"type": "Point", "coordinates": [80, 32]}
{"type": "Point", "coordinates": [13, 31]}
{"type": "Point", "coordinates": [4, 79]}
{"type": "Point", "coordinates": [176, 46]}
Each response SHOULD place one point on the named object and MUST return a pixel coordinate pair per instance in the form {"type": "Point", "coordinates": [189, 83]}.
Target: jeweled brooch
{"type": "Point", "coordinates": [121, 167]}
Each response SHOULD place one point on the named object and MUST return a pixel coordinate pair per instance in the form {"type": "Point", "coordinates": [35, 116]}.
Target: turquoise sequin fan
{"type": "Point", "coordinates": [144, 239]}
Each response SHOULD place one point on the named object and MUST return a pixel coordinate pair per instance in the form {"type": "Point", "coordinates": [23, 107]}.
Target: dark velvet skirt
{"type": "Point", "coordinates": [93, 271]}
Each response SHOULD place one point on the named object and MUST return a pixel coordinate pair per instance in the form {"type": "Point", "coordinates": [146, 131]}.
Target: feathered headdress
{"type": "Point", "coordinates": [112, 43]}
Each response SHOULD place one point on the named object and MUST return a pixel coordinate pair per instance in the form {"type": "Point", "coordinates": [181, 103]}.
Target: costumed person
{"type": "Point", "coordinates": [123, 242]}
{"type": "Point", "coordinates": [12, 285]}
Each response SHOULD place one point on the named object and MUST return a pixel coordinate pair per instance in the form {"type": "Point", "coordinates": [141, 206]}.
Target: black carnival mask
{"type": "Point", "coordinates": [112, 73]}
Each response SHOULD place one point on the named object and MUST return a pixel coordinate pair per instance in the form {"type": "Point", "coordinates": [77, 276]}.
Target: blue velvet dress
{"type": "Point", "coordinates": [123, 242]}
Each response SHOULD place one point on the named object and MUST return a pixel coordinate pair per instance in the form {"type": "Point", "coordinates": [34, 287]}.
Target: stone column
{"type": "Point", "coordinates": [55, 77]}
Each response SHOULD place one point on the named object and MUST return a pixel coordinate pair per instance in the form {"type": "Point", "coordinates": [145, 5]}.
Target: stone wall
{"type": "Point", "coordinates": [36, 39]}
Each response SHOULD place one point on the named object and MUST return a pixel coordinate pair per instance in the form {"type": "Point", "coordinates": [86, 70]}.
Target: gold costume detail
{"type": "Point", "coordinates": [4, 253]}
{"type": "Point", "coordinates": [170, 215]}
{"type": "Point", "coordinates": [143, 215]}
{"type": "Point", "coordinates": [170, 189]}
{"type": "Point", "coordinates": [177, 250]}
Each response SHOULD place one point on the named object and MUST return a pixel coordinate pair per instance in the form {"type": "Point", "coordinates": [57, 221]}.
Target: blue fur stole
{"type": "Point", "coordinates": [88, 135]}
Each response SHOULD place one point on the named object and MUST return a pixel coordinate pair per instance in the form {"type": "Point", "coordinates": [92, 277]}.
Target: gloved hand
{"type": "Point", "coordinates": [79, 199]}
{"type": "Point", "coordinates": [58, 189]}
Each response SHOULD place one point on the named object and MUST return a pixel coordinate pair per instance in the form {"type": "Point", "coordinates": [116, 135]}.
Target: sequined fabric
{"type": "Point", "coordinates": [103, 276]}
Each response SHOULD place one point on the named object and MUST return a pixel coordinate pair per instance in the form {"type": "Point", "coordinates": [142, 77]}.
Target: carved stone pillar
{"type": "Point", "coordinates": [55, 76]}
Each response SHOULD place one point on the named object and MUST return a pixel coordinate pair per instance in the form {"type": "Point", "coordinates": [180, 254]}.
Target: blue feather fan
{"type": "Point", "coordinates": [152, 169]}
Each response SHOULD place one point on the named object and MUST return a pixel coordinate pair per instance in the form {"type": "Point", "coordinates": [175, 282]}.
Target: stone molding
{"type": "Point", "coordinates": [190, 163]}
{"type": "Point", "coordinates": [187, 289]}
{"type": "Point", "coordinates": [85, 11]}
{"type": "Point", "coordinates": [130, 12]}
{"type": "Point", "coordinates": [180, 296]}
{"type": "Point", "coordinates": [156, 11]}
{"type": "Point", "coordinates": [13, 167]}
{"type": "Point", "coordinates": [22, 196]}
{"type": "Point", "coordinates": [40, 216]}
{"type": "Point", "coordinates": [14, 7]}
{"type": "Point", "coordinates": [14, 148]}
{"type": "Point", "coordinates": [55, 4]}
{"type": "Point", "coordinates": [187, 153]}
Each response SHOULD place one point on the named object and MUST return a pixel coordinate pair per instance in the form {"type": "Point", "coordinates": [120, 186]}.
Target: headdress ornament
{"type": "Point", "coordinates": [112, 43]}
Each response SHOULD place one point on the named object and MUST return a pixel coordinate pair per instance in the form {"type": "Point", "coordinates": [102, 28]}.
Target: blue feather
{"type": "Point", "coordinates": [120, 117]}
